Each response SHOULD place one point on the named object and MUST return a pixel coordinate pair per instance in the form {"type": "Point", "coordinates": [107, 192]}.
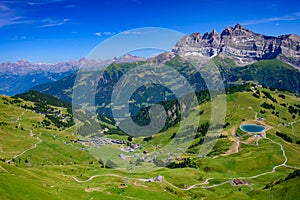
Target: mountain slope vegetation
{"type": "Point", "coordinates": [47, 160]}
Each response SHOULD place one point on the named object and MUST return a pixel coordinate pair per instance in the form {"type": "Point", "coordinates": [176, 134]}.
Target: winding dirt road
{"type": "Point", "coordinates": [206, 182]}
{"type": "Point", "coordinates": [33, 147]}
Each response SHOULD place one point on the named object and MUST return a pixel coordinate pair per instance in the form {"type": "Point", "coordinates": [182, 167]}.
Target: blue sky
{"type": "Point", "coordinates": [57, 30]}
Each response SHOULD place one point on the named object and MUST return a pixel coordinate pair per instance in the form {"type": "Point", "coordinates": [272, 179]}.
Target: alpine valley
{"type": "Point", "coordinates": [43, 155]}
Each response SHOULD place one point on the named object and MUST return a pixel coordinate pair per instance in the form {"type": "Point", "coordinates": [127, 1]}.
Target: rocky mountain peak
{"type": "Point", "coordinates": [227, 31]}
{"type": "Point", "coordinates": [196, 37]}
{"type": "Point", "coordinates": [240, 30]}
{"type": "Point", "coordinates": [290, 36]}
{"type": "Point", "coordinates": [242, 45]}
{"type": "Point", "coordinates": [294, 37]}
{"type": "Point", "coordinates": [23, 63]}
{"type": "Point", "coordinates": [212, 34]}
{"type": "Point", "coordinates": [128, 58]}
{"type": "Point", "coordinates": [238, 26]}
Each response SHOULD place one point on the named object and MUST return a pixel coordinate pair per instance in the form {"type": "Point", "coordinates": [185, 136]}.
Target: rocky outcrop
{"type": "Point", "coordinates": [290, 49]}
{"type": "Point", "coordinates": [241, 45]}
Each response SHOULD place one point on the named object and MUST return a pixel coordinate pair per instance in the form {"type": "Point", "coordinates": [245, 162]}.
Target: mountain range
{"type": "Point", "coordinates": [238, 52]}
{"type": "Point", "coordinates": [54, 147]}
{"type": "Point", "coordinates": [22, 75]}
{"type": "Point", "coordinates": [242, 45]}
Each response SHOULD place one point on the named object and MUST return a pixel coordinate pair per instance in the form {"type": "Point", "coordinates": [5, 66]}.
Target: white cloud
{"type": "Point", "coordinates": [98, 34]}
{"type": "Point", "coordinates": [7, 16]}
{"type": "Point", "coordinates": [31, 2]}
{"type": "Point", "coordinates": [132, 33]}
{"type": "Point", "coordinates": [42, 2]}
{"type": "Point", "coordinates": [106, 33]}
{"type": "Point", "coordinates": [20, 37]}
{"type": "Point", "coordinates": [5, 21]}
{"type": "Point", "coordinates": [3, 7]}
{"type": "Point", "coordinates": [10, 14]}
{"type": "Point", "coordinates": [291, 17]}
{"type": "Point", "coordinates": [54, 22]}
{"type": "Point", "coordinates": [70, 6]}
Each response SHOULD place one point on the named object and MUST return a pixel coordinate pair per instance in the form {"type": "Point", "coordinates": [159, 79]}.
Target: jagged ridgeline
{"type": "Point", "coordinates": [241, 45]}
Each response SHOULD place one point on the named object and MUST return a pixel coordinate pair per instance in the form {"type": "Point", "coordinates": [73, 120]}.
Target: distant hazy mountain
{"type": "Point", "coordinates": [241, 55]}
{"type": "Point", "coordinates": [20, 76]}
{"type": "Point", "coordinates": [242, 45]}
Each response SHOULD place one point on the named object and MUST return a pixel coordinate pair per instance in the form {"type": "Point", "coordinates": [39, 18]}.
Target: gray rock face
{"type": "Point", "coordinates": [241, 45]}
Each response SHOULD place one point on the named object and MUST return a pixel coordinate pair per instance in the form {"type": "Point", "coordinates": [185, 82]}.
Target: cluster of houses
{"type": "Point", "coordinates": [55, 112]}
{"type": "Point", "coordinates": [261, 119]}
{"type": "Point", "coordinates": [255, 87]}
{"type": "Point", "coordinates": [158, 178]}
{"type": "Point", "coordinates": [237, 182]}
{"type": "Point", "coordinates": [97, 142]}
{"type": "Point", "coordinates": [131, 147]}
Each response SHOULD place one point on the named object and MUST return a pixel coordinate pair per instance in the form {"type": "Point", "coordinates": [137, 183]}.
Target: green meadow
{"type": "Point", "coordinates": [41, 162]}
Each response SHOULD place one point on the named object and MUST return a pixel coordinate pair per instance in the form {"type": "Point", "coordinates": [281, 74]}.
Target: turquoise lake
{"type": "Point", "coordinates": [252, 128]}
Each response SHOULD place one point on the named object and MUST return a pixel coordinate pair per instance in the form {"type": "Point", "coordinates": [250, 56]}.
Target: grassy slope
{"type": "Point", "coordinates": [52, 162]}
{"type": "Point", "coordinates": [271, 73]}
